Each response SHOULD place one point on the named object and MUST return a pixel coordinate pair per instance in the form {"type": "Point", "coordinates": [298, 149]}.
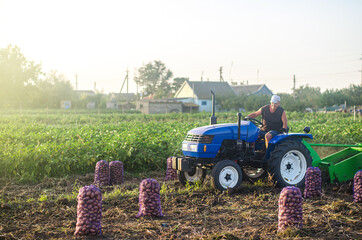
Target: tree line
{"type": "Point", "coordinates": [24, 84]}
{"type": "Point", "coordinates": [303, 97]}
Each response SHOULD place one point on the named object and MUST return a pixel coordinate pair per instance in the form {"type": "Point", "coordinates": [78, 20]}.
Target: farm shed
{"type": "Point", "coordinates": [258, 89]}
{"type": "Point", "coordinates": [158, 106]}
{"type": "Point", "coordinates": [199, 93]}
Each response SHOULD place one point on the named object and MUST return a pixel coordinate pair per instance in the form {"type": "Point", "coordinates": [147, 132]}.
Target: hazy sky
{"type": "Point", "coordinates": [255, 41]}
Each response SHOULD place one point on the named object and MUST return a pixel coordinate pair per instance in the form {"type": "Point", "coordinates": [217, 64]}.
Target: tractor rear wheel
{"type": "Point", "coordinates": [288, 163]}
{"type": "Point", "coordinates": [226, 174]}
{"type": "Point", "coordinates": [198, 174]}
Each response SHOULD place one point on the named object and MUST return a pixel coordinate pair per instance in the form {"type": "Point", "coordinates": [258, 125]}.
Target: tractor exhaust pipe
{"type": "Point", "coordinates": [239, 124]}
{"type": "Point", "coordinates": [213, 119]}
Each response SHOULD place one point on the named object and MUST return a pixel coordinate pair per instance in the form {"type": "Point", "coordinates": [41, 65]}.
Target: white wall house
{"type": "Point", "coordinates": [199, 92]}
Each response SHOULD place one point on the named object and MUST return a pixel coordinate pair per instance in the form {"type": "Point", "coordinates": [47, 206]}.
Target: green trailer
{"type": "Point", "coordinates": [342, 165]}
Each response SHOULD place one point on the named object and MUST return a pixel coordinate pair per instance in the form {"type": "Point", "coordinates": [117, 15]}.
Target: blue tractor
{"type": "Point", "coordinates": [234, 151]}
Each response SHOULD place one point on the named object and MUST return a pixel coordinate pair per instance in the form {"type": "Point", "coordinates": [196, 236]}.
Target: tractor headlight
{"type": "Point", "coordinates": [193, 147]}
{"type": "Point", "coordinates": [184, 146]}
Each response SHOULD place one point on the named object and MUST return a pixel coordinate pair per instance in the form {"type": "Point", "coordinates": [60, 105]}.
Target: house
{"type": "Point", "coordinates": [85, 92]}
{"type": "Point", "coordinates": [257, 89]}
{"type": "Point", "coordinates": [65, 104]}
{"type": "Point", "coordinates": [199, 92]}
{"type": "Point", "coordinates": [123, 97]}
{"type": "Point", "coordinates": [112, 104]}
{"type": "Point", "coordinates": [152, 106]}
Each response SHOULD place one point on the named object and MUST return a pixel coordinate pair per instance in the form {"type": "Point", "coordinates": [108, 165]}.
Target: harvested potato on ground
{"type": "Point", "coordinates": [171, 174]}
{"type": "Point", "coordinates": [290, 208]}
{"type": "Point", "coordinates": [101, 173]}
{"type": "Point", "coordinates": [149, 199]}
{"type": "Point", "coordinates": [116, 172]}
{"type": "Point", "coordinates": [89, 211]}
{"type": "Point", "coordinates": [313, 182]}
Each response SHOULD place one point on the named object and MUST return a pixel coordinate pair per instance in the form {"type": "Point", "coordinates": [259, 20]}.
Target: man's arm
{"type": "Point", "coordinates": [284, 120]}
{"type": "Point", "coordinates": [255, 114]}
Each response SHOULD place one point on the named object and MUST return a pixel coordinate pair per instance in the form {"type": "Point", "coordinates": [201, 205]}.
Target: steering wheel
{"type": "Point", "coordinates": [255, 121]}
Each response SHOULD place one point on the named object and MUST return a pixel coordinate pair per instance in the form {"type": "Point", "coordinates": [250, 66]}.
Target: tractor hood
{"type": "Point", "coordinates": [205, 142]}
{"type": "Point", "coordinates": [248, 131]}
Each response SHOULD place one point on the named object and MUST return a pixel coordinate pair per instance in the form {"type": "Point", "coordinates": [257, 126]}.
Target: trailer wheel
{"type": "Point", "coordinates": [226, 174]}
{"type": "Point", "coordinates": [288, 163]}
{"type": "Point", "coordinates": [198, 174]}
{"type": "Point", "coordinates": [253, 174]}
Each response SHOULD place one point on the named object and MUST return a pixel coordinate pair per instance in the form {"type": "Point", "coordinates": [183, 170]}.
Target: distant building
{"type": "Point", "coordinates": [157, 106]}
{"type": "Point", "coordinates": [258, 89]}
{"type": "Point", "coordinates": [65, 104]}
{"type": "Point", "coordinates": [112, 104]}
{"type": "Point", "coordinates": [123, 97]}
{"type": "Point", "coordinates": [85, 92]}
{"type": "Point", "coordinates": [91, 105]}
{"type": "Point", "coordinates": [199, 93]}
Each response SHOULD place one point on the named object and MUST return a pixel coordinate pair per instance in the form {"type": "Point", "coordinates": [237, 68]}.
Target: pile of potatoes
{"type": "Point", "coordinates": [171, 174]}
{"type": "Point", "coordinates": [101, 174]}
{"type": "Point", "coordinates": [313, 182]}
{"type": "Point", "coordinates": [290, 208]}
{"type": "Point", "coordinates": [357, 187]}
{"type": "Point", "coordinates": [116, 172]}
{"type": "Point", "coordinates": [149, 199]}
{"type": "Point", "coordinates": [89, 211]}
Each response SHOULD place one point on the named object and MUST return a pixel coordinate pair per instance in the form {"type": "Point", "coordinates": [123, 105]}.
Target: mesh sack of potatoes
{"type": "Point", "coordinates": [313, 182]}
{"type": "Point", "coordinates": [89, 211]}
{"type": "Point", "coordinates": [290, 208]}
{"type": "Point", "coordinates": [149, 199]}
{"type": "Point", "coordinates": [116, 172]}
{"type": "Point", "coordinates": [357, 187]}
{"type": "Point", "coordinates": [101, 173]}
{"type": "Point", "coordinates": [171, 174]}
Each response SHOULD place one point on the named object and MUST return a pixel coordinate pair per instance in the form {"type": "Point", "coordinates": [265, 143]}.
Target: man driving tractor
{"type": "Point", "coordinates": [274, 119]}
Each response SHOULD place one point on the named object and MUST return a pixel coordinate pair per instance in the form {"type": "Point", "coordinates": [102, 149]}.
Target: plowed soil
{"type": "Point", "coordinates": [48, 210]}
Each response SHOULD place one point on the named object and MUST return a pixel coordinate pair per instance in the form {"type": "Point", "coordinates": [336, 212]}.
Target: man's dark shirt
{"type": "Point", "coordinates": [272, 121]}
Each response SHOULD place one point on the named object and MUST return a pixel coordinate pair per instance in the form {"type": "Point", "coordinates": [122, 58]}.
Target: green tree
{"type": "Point", "coordinates": [18, 77]}
{"type": "Point", "coordinates": [53, 89]}
{"type": "Point", "coordinates": [154, 77]}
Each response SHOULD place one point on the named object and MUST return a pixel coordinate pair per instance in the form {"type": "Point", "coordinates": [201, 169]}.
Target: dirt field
{"type": "Point", "coordinates": [48, 210]}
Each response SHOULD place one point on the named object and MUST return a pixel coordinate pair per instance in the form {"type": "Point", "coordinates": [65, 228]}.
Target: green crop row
{"type": "Point", "coordinates": [57, 144]}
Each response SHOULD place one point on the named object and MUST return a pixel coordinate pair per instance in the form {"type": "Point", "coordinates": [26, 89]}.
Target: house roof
{"type": "Point", "coordinates": [202, 89]}
{"type": "Point", "coordinates": [249, 89]}
{"type": "Point", "coordinates": [85, 92]}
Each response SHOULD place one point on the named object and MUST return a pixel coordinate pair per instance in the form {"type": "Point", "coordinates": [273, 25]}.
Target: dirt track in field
{"type": "Point", "coordinates": [46, 211]}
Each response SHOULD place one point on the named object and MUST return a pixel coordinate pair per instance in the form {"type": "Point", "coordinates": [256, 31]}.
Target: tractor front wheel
{"type": "Point", "coordinates": [226, 174]}
{"type": "Point", "coordinates": [198, 174]}
{"type": "Point", "coordinates": [289, 162]}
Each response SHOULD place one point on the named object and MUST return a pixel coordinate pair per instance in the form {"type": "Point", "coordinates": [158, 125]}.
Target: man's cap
{"type": "Point", "coordinates": [275, 99]}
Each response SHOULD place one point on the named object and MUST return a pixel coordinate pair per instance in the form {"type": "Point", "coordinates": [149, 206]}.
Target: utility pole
{"type": "Point", "coordinates": [76, 81]}
{"type": "Point", "coordinates": [361, 70]}
{"type": "Point", "coordinates": [202, 75]}
{"type": "Point", "coordinates": [221, 78]}
{"type": "Point", "coordinates": [95, 87]}
{"type": "Point", "coordinates": [294, 86]}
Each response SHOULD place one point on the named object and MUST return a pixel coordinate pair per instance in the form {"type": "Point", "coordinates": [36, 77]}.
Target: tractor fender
{"type": "Point", "coordinates": [281, 138]}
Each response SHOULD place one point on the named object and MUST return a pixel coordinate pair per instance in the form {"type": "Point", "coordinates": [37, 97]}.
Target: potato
{"type": "Point", "coordinates": [357, 187]}
{"type": "Point", "coordinates": [116, 172]}
{"type": "Point", "coordinates": [313, 182]}
{"type": "Point", "coordinates": [89, 211]}
{"type": "Point", "coordinates": [171, 174]}
{"type": "Point", "coordinates": [101, 174]}
{"type": "Point", "coordinates": [290, 208]}
{"type": "Point", "coordinates": [149, 199]}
